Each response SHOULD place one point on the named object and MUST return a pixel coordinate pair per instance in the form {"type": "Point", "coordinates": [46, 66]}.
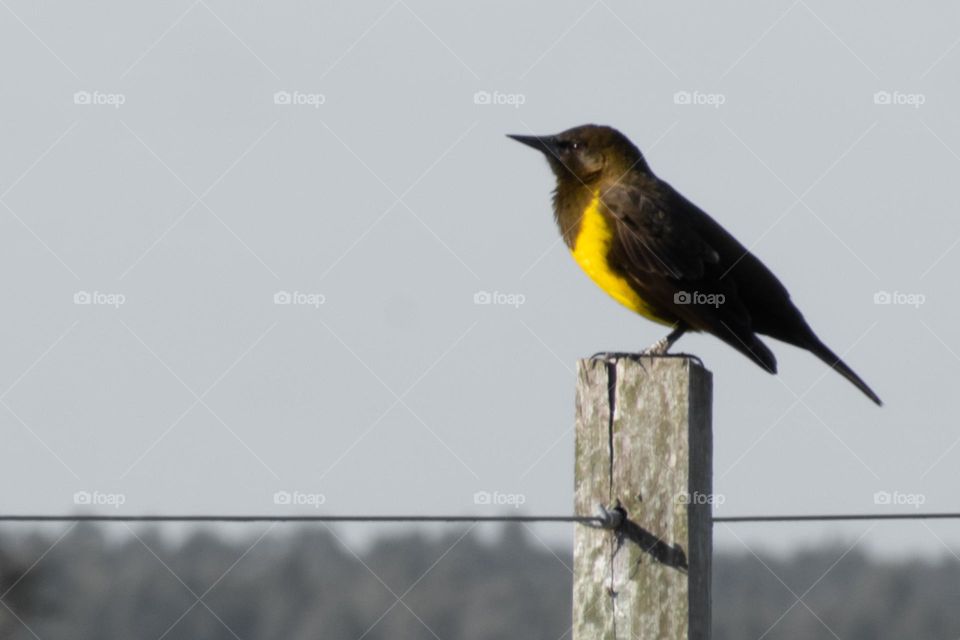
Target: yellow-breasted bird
{"type": "Point", "coordinates": [658, 254]}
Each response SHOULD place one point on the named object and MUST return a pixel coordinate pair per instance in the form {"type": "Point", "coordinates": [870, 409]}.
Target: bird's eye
{"type": "Point", "coordinates": [576, 145]}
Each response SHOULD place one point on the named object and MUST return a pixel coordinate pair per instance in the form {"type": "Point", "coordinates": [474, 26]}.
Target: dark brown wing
{"type": "Point", "coordinates": [656, 238]}
{"type": "Point", "coordinates": [668, 246]}
{"type": "Point", "coordinates": [677, 258]}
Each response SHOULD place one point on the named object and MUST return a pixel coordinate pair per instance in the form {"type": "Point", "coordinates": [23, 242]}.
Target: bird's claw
{"type": "Point", "coordinates": [611, 357]}
{"type": "Point", "coordinates": [658, 348]}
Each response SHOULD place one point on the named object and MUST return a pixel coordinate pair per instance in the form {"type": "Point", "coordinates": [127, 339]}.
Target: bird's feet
{"type": "Point", "coordinates": [611, 357]}
{"type": "Point", "coordinates": [658, 348]}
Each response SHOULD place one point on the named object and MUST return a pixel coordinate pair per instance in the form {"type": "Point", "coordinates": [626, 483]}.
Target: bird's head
{"type": "Point", "coordinates": [589, 153]}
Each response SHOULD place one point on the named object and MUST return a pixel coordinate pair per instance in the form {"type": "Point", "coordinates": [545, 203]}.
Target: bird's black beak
{"type": "Point", "coordinates": [545, 144]}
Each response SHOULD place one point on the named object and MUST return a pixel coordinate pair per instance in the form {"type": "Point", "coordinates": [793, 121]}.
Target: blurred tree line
{"type": "Point", "coordinates": [304, 583]}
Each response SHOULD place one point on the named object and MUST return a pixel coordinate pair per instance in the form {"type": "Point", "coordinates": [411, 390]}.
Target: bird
{"type": "Point", "coordinates": [661, 256]}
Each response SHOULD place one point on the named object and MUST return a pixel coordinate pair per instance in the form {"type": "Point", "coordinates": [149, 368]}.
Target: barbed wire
{"type": "Point", "coordinates": [587, 520]}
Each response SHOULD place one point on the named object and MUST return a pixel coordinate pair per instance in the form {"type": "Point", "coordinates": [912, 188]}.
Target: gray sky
{"type": "Point", "coordinates": [386, 190]}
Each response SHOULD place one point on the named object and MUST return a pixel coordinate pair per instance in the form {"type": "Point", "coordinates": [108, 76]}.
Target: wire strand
{"type": "Point", "coordinates": [830, 517]}
{"type": "Point", "coordinates": [295, 518]}
{"type": "Point", "coordinates": [589, 520]}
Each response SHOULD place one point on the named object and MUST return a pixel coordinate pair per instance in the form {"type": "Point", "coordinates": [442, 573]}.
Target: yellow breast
{"type": "Point", "coordinates": [590, 251]}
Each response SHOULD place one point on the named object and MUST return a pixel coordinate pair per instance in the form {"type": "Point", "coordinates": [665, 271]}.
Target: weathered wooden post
{"type": "Point", "coordinates": [644, 440]}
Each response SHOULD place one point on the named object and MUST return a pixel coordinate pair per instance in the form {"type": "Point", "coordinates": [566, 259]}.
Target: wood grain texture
{"type": "Point", "coordinates": [655, 458]}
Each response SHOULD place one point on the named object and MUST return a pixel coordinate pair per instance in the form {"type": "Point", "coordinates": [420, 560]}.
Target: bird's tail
{"type": "Point", "coordinates": [747, 343]}
{"type": "Point", "coordinates": [823, 352]}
